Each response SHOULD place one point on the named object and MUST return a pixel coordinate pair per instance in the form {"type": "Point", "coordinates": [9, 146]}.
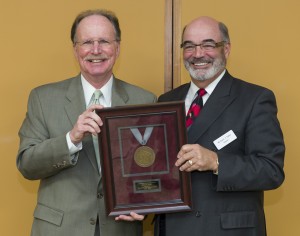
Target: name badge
{"type": "Point", "coordinates": [225, 139]}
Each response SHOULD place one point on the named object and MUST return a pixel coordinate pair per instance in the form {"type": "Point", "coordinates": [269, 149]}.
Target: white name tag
{"type": "Point", "coordinates": [225, 139]}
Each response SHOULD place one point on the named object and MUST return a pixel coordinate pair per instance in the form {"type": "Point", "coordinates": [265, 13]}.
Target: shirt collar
{"type": "Point", "coordinates": [88, 91]}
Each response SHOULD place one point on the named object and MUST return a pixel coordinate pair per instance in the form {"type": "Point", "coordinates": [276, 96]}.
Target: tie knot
{"type": "Point", "coordinates": [95, 98]}
{"type": "Point", "coordinates": [97, 94]}
{"type": "Point", "coordinates": [201, 92]}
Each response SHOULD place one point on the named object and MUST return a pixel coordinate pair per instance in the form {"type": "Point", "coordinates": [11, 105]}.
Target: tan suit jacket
{"type": "Point", "coordinates": [70, 195]}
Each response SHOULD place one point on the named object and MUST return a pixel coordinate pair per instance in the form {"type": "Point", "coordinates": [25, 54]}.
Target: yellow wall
{"type": "Point", "coordinates": [36, 49]}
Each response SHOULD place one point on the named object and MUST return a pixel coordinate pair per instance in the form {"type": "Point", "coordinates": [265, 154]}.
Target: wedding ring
{"type": "Point", "coordinates": [191, 162]}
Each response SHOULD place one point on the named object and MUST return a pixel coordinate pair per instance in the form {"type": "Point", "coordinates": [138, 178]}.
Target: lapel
{"type": "Point", "coordinates": [74, 106]}
{"type": "Point", "coordinates": [218, 101]}
{"type": "Point", "coordinates": [119, 95]}
{"type": "Point", "coordinates": [75, 103]}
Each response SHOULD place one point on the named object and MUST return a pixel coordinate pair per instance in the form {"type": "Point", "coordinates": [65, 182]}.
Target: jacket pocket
{"type": "Point", "coordinates": [243, 219]}
{"type": "Point", "coordinates": [48, 214]}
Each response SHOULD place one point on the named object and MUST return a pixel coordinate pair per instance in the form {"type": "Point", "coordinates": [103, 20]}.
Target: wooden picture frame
{"type": "Point", "coordinates": [139, 173]}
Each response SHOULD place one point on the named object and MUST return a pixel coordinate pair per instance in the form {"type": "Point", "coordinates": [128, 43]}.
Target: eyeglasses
{"type": "Point", "coordinates": [205, 46]}
{"type": "Point", "coordinates": [89, 44]}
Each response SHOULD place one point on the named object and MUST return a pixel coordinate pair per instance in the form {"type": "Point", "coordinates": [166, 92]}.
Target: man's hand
{"type": "Point", "coordinates": [88, 122]}
{"type": "Point", "coordinates": [195, 157]}
{"type": "Point", "coordinates": [132, 217]}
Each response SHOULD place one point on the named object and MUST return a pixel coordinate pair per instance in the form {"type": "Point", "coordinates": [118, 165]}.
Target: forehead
{"type": "Point", "coordinates": [95, 26]}
{"type": "Point", "coordinates": [199, 31]}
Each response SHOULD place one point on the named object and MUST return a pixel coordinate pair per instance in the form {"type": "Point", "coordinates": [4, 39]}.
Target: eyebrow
{"type": "Point", "coordinates": [203, 41]}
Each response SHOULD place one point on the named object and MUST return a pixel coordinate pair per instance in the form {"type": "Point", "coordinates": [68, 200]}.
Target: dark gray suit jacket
{"type": "Point", "coordinates": [70, 194]}
{"type": "Point", "coordinates": [232, 202]}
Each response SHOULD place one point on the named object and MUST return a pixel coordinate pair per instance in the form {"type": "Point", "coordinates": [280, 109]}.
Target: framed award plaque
{"type": "Point", "coordinates": [138, 148]}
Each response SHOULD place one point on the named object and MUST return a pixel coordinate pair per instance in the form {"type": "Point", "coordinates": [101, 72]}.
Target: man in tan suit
{"type": "Point", "coordinates": [56, 143]}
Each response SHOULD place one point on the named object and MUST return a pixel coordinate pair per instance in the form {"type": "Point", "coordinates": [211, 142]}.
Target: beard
{"type": "Point", "coordinates": [218, 65]}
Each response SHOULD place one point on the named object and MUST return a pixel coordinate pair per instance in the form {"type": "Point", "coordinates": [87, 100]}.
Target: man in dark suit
{"type": "Point", "coordinates": [235, 147]}
{"type": "Point", "coordinates": [56, 145]}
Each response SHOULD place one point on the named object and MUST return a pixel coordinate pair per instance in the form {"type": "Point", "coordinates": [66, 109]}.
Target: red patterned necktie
{"type": "Point", "coordinates": [195, 108]}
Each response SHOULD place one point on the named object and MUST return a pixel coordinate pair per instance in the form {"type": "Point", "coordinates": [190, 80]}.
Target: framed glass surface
{"type": "Point", "coordinates": [138, 149]}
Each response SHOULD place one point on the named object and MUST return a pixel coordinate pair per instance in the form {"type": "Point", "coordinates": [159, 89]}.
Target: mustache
{"type": "Point", "coordinates": [201, 60]}
{"type": "Point", "coordinates": [100, 57]}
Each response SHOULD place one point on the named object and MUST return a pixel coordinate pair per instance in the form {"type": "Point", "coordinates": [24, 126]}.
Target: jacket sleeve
{"type": "Point", "coordinates": [257, 164]}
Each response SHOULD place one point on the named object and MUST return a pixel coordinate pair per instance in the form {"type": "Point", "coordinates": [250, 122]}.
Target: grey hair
{"type": "Point", "coordinates": [224, 32]}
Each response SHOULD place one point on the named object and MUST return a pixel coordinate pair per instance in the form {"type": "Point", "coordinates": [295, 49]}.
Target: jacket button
{"type": "Point", "coordinates": [198, 214]}
{"type": "Point", "coordinates": [99, 195]}
{"type": "Point", "coordinates": [92, 221]}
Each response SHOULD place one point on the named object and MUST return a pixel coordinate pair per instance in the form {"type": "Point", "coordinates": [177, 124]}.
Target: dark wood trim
{"type": "Point", "coordinates": [172, 42]}
{"type": "Point", "coordinates": [176, 42]}
{"type": "Point", "coordinates": [168, 75]}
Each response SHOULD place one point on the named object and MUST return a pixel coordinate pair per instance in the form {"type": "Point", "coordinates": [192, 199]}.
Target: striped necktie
{"type": "Point", "coordinates": [195, 108]}
{"type": "Point", "coordinates": [96, 100]}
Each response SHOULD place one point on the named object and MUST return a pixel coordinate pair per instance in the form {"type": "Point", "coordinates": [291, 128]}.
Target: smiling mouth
{"type": "Point", "coordinates": [96, 60]}
{"type": "Point", "coordinates": [201, 64]}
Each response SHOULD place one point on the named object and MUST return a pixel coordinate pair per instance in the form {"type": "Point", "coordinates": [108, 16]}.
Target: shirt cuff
{"type": "Point", "coordinates": [72, 147]}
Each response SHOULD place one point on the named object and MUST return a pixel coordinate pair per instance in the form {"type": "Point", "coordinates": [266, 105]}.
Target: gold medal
{"type": "Point", "coordinates": [144, 156]}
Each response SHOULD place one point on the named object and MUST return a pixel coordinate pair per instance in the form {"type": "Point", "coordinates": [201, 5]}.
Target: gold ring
{"type": "Point", "coordinates": [191, 162]}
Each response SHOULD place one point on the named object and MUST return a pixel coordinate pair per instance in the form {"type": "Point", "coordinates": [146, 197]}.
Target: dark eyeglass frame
{"type": "Point", "coordinates": [206, 45]}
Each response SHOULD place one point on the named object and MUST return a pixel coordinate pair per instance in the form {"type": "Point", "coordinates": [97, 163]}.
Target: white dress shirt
{"type": "Point", "coordinates": [191, 95]}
